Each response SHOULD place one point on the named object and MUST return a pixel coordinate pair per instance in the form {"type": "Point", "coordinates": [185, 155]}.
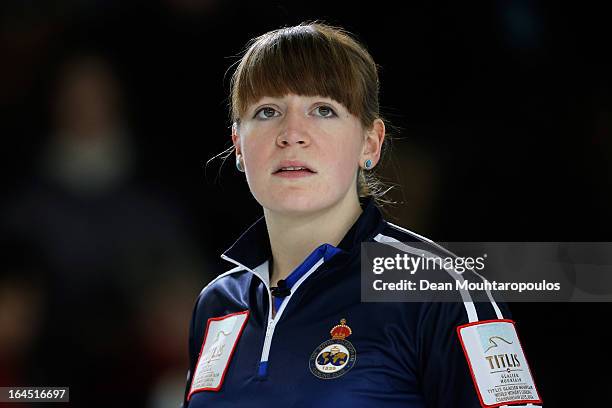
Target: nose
{"type": "Point", "coordinates": [294, 130]}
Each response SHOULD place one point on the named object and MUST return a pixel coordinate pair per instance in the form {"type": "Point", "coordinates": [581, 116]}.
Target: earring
{"type": "Point", "coordinates": [239, 164]}
{"type": "Point", "coordinates": [368, 164]}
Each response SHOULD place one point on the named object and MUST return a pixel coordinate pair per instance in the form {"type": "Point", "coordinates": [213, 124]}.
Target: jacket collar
{"type": "Point", "coordinates": [252, 248]}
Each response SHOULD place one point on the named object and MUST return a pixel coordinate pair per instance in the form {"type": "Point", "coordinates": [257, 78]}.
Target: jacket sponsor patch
{"type": "Point", "coordinates": [220, 339]}
{"type": "Point", "coordinates": [497, 363]}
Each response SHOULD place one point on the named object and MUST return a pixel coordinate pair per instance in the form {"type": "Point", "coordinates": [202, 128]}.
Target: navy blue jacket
{"type": "Point", "coordinates": [407, 354]}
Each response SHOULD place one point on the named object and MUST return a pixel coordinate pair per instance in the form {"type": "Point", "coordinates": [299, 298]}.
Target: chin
{"type": "Point", "coordinates": [293, 202]}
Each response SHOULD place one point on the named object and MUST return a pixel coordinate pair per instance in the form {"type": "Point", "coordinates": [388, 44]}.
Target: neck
{"type": "Point", "coordinates": [293, 238]}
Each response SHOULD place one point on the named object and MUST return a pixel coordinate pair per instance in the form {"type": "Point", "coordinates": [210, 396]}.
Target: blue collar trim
{"type": "Point", "coordinates": [325, 251]}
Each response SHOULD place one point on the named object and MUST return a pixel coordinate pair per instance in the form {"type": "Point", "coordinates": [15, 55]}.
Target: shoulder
{"type": "Point", "coordinates": [231, 281]}
{"type": "Point", "coordinates": [225, 281]}
{"type": "Point", "coordinates": [474, 305]}
{"type": "Point", "coordinates": [402, 234]}
{"type": "Point", "coordinates": [394, 234]}
{"type": "Point", "coordinates": [224, 293]}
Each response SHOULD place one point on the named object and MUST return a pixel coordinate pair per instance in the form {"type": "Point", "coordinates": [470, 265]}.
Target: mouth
{"type": "Point", "coordinates": [293, 172]}
{"type": "Point", "coordinates": [291, 167]}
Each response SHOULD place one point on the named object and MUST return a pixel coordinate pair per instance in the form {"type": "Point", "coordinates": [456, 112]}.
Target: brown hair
{"type": "Point", "coordinates": [312, 59]}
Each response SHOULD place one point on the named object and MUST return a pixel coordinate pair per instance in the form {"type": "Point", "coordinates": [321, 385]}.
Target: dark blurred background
{"type": "Point", "coordinates": [112, 222]}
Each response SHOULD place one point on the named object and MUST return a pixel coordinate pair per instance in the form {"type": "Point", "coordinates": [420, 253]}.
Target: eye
{"type": "Point", "coordinates": [267, 112]}
{"type": "Point", "coordinates": [325, 111]}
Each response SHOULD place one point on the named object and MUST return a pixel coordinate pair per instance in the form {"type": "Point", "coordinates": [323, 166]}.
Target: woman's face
{"type": "Point", "coordinates": [317, 132]}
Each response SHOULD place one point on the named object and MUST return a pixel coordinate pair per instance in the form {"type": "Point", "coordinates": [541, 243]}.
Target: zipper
{"type": "Point", "coordinates": [262, 368]}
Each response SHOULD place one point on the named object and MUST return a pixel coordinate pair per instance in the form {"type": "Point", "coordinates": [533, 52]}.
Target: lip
{"type": "Point", "coordinates": [293, 163]}
{"type": "Point", "coordinates": [294, 174]}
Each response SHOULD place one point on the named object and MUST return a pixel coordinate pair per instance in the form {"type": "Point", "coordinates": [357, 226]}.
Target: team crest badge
{"type": "Point", "coordinates": [334, 357]}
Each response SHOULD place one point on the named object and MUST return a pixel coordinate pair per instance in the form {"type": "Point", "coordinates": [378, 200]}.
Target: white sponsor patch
{"type": "Point", "coordinates": [220, 339]}
{"type": "Point", "coordinates": [498, 365]}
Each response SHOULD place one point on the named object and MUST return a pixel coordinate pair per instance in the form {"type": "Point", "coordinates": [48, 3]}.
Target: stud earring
{"type": "Point", "coordinates": [239, 164]}
{"type": "Point", "coordinates": [368, 164]}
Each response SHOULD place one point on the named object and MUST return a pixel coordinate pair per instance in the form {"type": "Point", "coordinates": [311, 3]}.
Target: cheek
{"type": "Point", "coordinates": [254, 155]}
{"type": "Point", "coordinates": [343, 163]}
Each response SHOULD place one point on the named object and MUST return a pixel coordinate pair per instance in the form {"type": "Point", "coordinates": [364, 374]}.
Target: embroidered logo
{"type": "Point", "coordinates": [334, 357]}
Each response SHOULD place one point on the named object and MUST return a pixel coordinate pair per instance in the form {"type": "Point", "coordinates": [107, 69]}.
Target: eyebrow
{"type": "Point", "coordinates": [315, 99]}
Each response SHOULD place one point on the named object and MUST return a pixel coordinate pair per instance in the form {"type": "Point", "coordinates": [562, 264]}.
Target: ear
{"type": "Point", "coordinates": [375, 136]}
{"type": "Point", "coordinates": [236, 138]}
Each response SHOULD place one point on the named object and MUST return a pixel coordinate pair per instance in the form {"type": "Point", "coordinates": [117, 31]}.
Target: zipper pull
{"type": "Point", "coordinates": [270, 328]}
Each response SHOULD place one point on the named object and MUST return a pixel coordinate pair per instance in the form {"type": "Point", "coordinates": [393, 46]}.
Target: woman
{"type": "Point", "coordinates": [286, 326]}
